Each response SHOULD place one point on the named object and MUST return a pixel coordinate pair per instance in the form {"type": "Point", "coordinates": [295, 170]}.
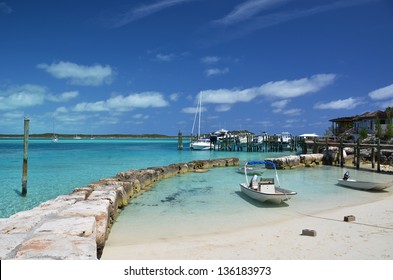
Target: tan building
{"type": "Point", "coordinates": [346, 126]}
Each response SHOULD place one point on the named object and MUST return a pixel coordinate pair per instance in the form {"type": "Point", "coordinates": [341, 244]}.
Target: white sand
{"type": "Point", "coordinates": [369, 237]}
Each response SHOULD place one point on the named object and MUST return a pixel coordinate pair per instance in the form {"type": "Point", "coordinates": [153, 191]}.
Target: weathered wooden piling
{"type": "Point", "coordinates": [375, 150]}
{"type": "Point", "coordinates": [341, 148]}
{"type": "Point", "coordinates": [379, 155]}
{"type": "Point", "coordinates": [180, 141]}
{"type": "Point", "coordinates": [25, 148]}
{"type": "Point", "coordinates": [357, 157]}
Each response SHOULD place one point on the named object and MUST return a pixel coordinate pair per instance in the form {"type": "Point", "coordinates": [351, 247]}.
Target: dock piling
{"type": "Point", "coordinates": [180, 141]}
{"type": "Point", "coordinates": [25, 148]}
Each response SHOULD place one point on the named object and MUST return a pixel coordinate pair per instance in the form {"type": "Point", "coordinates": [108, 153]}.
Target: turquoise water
{"type": "Point", "coordinates": [58, 168]}
{"type": "Point", "coordinates": [208, 203]}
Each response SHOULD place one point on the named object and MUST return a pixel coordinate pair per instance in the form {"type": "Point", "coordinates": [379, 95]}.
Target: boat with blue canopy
{"type": "Point", "coordinates": [265, 189]}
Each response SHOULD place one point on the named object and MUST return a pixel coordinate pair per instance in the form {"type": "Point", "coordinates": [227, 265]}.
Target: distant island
{"type": "Point", "coordinates": [87, 136]}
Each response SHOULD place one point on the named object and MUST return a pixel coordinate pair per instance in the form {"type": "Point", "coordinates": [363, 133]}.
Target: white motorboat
{"type": "Point", "coordinates": [201, 144]}
{"type": "Point", "coordinates": [265, 189]}
{"type": "Point", "coordinates": [363, 185]}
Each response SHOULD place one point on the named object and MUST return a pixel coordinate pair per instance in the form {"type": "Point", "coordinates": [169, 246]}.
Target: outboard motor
{"type": "Point", "coordinates": [346, 176]}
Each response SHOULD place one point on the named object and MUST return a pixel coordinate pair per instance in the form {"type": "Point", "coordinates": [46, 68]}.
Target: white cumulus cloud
{"type": "Point", "coordinates": [165, 57]}
{"type": "Point", "coordinates": [276, 90]}
{"type": "Point", "coordinates": [280, 104]}
{"type": "Point", "coordinates": [216, 71]}
{"type": "Point", "coordinates": [210, 59]}
{"type": "Point", "coordinates": [348, 103]}
{"type": "Point", "coordinates": [30, 95]}
{"type": "Point", "coordinates": [223, 107]}
{"type": "Point", "coordinates": [122, 103]}
{"type": "Point", "coordinates": [63, 97]}
{"type": "Point", "coordinates": [192, 110]}
{"type": "Point", "coordinates": [16, 97]}
{"type": "Point", "coordinates": [382, 93]}
{"type": "Point", "coordinates": [295, 88]}
{"type": "Point", "coordinates": [82, 75]}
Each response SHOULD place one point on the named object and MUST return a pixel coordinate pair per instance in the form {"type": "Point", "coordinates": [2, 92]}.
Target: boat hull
{"type": "Point", "coordinates": [280, 195]}
{"type": "Point", "coordinates": [364, 185]}
{"type": "Point", "coordinates": [200, 145]}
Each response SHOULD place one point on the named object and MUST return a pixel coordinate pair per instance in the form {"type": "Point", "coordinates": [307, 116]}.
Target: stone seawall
{"type": "Point", "coordinates": [76, 226]}
{"type": "Point", "coordinates": [296, 161]}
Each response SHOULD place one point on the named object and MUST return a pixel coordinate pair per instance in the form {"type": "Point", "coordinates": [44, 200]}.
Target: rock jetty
{"type": "Point", "coordinates": [76, 226]}
{"type": "Point", "coordinates": [296, 161]}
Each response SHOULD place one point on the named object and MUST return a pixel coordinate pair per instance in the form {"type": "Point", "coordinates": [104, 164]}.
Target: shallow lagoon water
{"type": "Point", "coordinates": [211, 202]}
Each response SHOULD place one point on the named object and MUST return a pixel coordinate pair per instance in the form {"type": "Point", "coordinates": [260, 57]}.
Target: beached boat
{"type": "Point", "coordinates": [363, 185]}
{"type": "Point", "coordinates": [265, 189]}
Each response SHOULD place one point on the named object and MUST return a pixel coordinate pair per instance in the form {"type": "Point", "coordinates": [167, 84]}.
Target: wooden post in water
{"type": "Point", "coordinates": [373, 157]}
{"type": "Point", "coordinates": [379, 155]}
{"type": "Point", "coordinates": [304, 146]}
{"type": "Point", "coordinates": [180, 141]}
{"type": "Point", "coordinates": [25, 146]}
{"type": "Point", "coordinates": [341, 153]}
{"type": "Point", "coordinates": [315, 146]}
{"type": "Point", "coordinates": [357, 157]}
{"type": "Point", "coordinates": [327, 150]}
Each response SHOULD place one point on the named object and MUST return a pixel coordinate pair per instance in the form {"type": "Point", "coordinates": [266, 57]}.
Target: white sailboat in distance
{"type": "Point", "coordinates": [200, 143]}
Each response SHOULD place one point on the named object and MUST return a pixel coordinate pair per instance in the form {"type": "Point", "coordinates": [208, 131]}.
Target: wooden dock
{"type": "Point", "coordinates": [274, 143]}
{"type": "Point", "coordinates": [324, 144]}
{"type": "Point", "coordinates": [271, 143]}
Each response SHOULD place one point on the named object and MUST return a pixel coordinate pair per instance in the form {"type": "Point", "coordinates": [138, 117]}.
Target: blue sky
{"type": "Point", "coordinates": [138, 67]}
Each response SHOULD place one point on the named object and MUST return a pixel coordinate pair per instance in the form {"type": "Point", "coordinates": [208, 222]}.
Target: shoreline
{"type": "Point", "coordinates": [369, 237]}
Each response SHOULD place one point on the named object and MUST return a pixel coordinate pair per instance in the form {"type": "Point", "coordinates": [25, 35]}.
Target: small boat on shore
{"type": "Point", "coordinates": [363, 185]}
{"type": "Point", "coordinates": [265, 189]}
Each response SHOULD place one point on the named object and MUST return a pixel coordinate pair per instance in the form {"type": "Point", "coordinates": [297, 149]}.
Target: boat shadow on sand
{"type": "Point", "coordinates": [259, 204]}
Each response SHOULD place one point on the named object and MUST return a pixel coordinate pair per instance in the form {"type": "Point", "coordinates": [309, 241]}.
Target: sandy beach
{"type": "Point", "coordinates": [369, 237]}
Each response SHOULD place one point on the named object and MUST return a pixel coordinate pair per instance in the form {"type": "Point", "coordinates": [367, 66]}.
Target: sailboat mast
{"type": "Point", "coordinates": [200, 113]}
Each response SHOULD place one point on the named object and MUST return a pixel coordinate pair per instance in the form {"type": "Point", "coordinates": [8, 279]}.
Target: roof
{"type": "Point", "coordinates": [371, 115]}
{"type": "Point", "coordinates": [367, 115]}
{"type": "Point", "coordinates": [343, 119]}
